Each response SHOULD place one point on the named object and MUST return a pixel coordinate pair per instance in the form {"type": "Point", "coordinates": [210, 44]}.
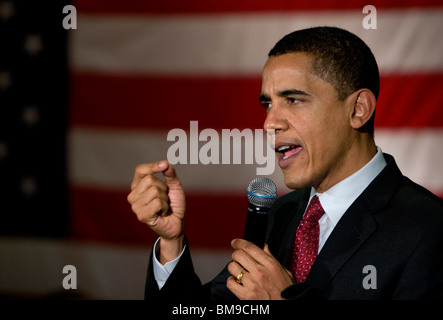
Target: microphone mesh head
{"type": "Point", "coordinates": [262, 192]}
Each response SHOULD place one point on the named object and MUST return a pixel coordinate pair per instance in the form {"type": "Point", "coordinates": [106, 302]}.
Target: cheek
{"type": "Point", "coordinates": [329, 148]}
{"type": "Point", "coordinates": [324, 140]}
{"type": "Point", "coordinates": [331, 126]}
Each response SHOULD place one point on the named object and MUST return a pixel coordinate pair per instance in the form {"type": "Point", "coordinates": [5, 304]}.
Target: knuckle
{"type": "Point", "coordinates": [231, 267]}
{"type": "Point", "coordinates": [235, 255]}
{"type": "Point", "coordinates": [129, 198]}
{"type": "Point", "coordinates": [135, 209]}
{"type": "Point", "coordinates": [160, 206]}
{"type": "Point", "coordinates": [259, 276]}
{"type": "Point", "coordinates": [140, 168]}
{"type": "Point", "coordinates": [157, 204]}
{"type": "Point", "coordinates": [148, 179]}
{"type": "Point", "coordinates": [249, 247]}
{"type": "Point", "coordinates": [141, 218]}
{"type": "Point", "coordinates": [253, 287]}
{"type": "Point", "coordinates": [157, 192]}
{"type": "Point", "coordinates": [273, 268]}
{"type": "Point", "coordinates": [231, 283]}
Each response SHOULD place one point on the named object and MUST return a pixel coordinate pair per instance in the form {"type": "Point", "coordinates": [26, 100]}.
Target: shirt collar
{"type": "Point", "coordinates": [337, 199]}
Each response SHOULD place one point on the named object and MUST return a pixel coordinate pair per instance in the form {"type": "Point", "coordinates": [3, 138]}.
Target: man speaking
{"type": "Point", "coordinates": [351, 208]}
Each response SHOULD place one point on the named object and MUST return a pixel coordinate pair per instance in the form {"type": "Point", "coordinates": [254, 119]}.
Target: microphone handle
{"type": "Point", "coordinates": [256, 225]}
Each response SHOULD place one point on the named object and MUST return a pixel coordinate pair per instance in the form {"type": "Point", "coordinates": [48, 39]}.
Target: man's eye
{"type": "Point", "coordinates": [266, 105]}
{"type": "Point", "coordinates": [293, 100]}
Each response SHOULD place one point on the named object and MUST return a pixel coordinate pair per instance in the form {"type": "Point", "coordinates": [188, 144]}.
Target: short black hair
{"type": "Point", "coordinates": [339, 57]}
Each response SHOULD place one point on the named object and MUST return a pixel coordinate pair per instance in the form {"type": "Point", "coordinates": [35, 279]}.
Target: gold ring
{"type": "Point", "coordinates": [240, 276]}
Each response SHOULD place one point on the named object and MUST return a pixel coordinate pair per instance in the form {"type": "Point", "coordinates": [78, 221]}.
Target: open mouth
{"type": "Point", "coordinates": [288, 150]}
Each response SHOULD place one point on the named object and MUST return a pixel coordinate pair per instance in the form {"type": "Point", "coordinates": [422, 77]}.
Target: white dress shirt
{"type": "Point", "coordinates": [162, 272]}
{"type": "Point", "coordinates": [335, 201]}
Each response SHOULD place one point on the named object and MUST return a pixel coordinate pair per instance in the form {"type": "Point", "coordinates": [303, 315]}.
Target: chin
{"type": "Point", "coordinates": [296, 183]}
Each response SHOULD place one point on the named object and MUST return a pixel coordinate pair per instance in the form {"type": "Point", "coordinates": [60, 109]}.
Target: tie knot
{"type": "Point", "coordinates": [315, 210]}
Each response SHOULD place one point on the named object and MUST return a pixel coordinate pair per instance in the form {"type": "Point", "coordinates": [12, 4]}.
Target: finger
{"type": "Point", "coordinates": [170, 175]}
{"type": "Point", "coordinates": [235, 268]}
{"type": "Point", "coordinates": [148, 188]}
{"type": "Point", "coordinates": [234, 287]}
{"type": "Point", "coordinates": [149, 216]}
{"type": "Point", "coordinates": [148, 212]}
{"type": "Point", "coordinates": [242, 244]}
{"type": "Point", "coordinates": [247, 247]}
{"type": "Point", "coordinates": [145, 169]}
{"type": "Point", "coordinates": [148, 182]}
{"type": "Point", "coordinates": [270, 259]}
{"type": "Point", "coordinates": [147, 195]}
{"type": "Point", "coordinates": [244, 260]}
{"type": "Point", "coordinates": [251, 256]}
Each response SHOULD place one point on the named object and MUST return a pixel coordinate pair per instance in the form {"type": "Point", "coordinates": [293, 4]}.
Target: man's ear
{"type": "Point", "coordinates": [363, 108]}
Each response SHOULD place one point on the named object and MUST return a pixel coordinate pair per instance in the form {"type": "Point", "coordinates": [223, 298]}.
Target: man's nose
{"type": "Point", "coordinates": [275, 119]}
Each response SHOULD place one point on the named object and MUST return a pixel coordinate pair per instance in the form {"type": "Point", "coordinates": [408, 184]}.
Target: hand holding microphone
{"type": "Point", "coordinates": [255, 272]}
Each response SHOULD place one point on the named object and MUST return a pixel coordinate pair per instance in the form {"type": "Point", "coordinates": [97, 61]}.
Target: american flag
{"type": "Point", "coordinates": [33, 119]}
{"type": "Point", "coordinates": [138, 69]}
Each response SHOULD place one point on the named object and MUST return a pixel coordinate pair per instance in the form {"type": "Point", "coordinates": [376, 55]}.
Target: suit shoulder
{"type": "Point", "coordinates": [416, 206]}
{"type": "Point", "coordinates": [415, 196]}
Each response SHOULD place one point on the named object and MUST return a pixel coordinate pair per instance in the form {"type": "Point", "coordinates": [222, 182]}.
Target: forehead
{"type": "Point", "coordinates": [289, 67]}
{"type": "Point", "coordinates": [299, 60]}
{"type": "Point", "coordinates": [290, 71]}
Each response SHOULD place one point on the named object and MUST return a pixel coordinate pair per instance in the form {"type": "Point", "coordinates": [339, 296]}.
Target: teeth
{"type": "Point", "coordinates": [281, 149]}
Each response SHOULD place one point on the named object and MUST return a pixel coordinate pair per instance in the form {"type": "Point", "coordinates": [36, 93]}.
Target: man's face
{"type": "Point", "coordinates": [312, 129]}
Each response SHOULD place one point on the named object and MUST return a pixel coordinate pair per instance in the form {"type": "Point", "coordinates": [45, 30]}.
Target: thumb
{"type": "Point", "coordinates": [170, 175]}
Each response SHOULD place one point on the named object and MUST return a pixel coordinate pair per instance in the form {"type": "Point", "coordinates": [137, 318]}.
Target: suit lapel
{"type": "Point", "coordinates": [355, 226]}
{"type": "Point", "coordinates": [353, 229]}
{"type": "Point", "coordinates": [291, 227]}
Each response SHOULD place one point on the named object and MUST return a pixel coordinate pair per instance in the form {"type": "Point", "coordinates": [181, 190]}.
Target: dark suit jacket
{"type": "Point", "coordinates": [395, 225]}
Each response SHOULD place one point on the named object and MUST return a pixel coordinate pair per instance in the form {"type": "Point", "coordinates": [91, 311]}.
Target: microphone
{"type": "Point", "coordinates": [262, 193]}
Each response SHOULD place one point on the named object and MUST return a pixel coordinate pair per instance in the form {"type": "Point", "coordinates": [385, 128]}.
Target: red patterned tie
{"type": "Point", "coordinates": [305, 247]}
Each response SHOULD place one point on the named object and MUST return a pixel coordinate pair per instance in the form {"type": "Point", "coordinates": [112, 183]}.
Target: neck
{"type": "Point", "coordinates": [357, 156]}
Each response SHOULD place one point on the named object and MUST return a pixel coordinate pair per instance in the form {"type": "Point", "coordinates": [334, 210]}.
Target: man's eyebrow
{"type": "Point", "coordinates": [264, 98]}
{"type": "Point", "coordinates": [292, 92]}
{"type": "Point", "coordinates": [284, 93]}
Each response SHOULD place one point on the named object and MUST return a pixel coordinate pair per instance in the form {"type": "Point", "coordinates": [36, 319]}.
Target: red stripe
{"type": "Point", "coordinates": [105, 216]}
{"type": "Point", "coordinates": [412, 101]}
{"type": "Point", "coordinates": [164, 103]}
{"type": "Point", "coordinates": [227, 6]}
{"type": "Point", "coordinates": [212, 220]}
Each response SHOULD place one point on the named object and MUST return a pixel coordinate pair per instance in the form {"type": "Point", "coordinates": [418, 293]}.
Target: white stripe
{"type": "Point", "coordinates": [405, 41]}
{"type": "Point", "coordinates": [104, 272]}
{"type": "Point", "coordinates": [106, 159]}
{"type": "Point", "coordinates": [418, 153]}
